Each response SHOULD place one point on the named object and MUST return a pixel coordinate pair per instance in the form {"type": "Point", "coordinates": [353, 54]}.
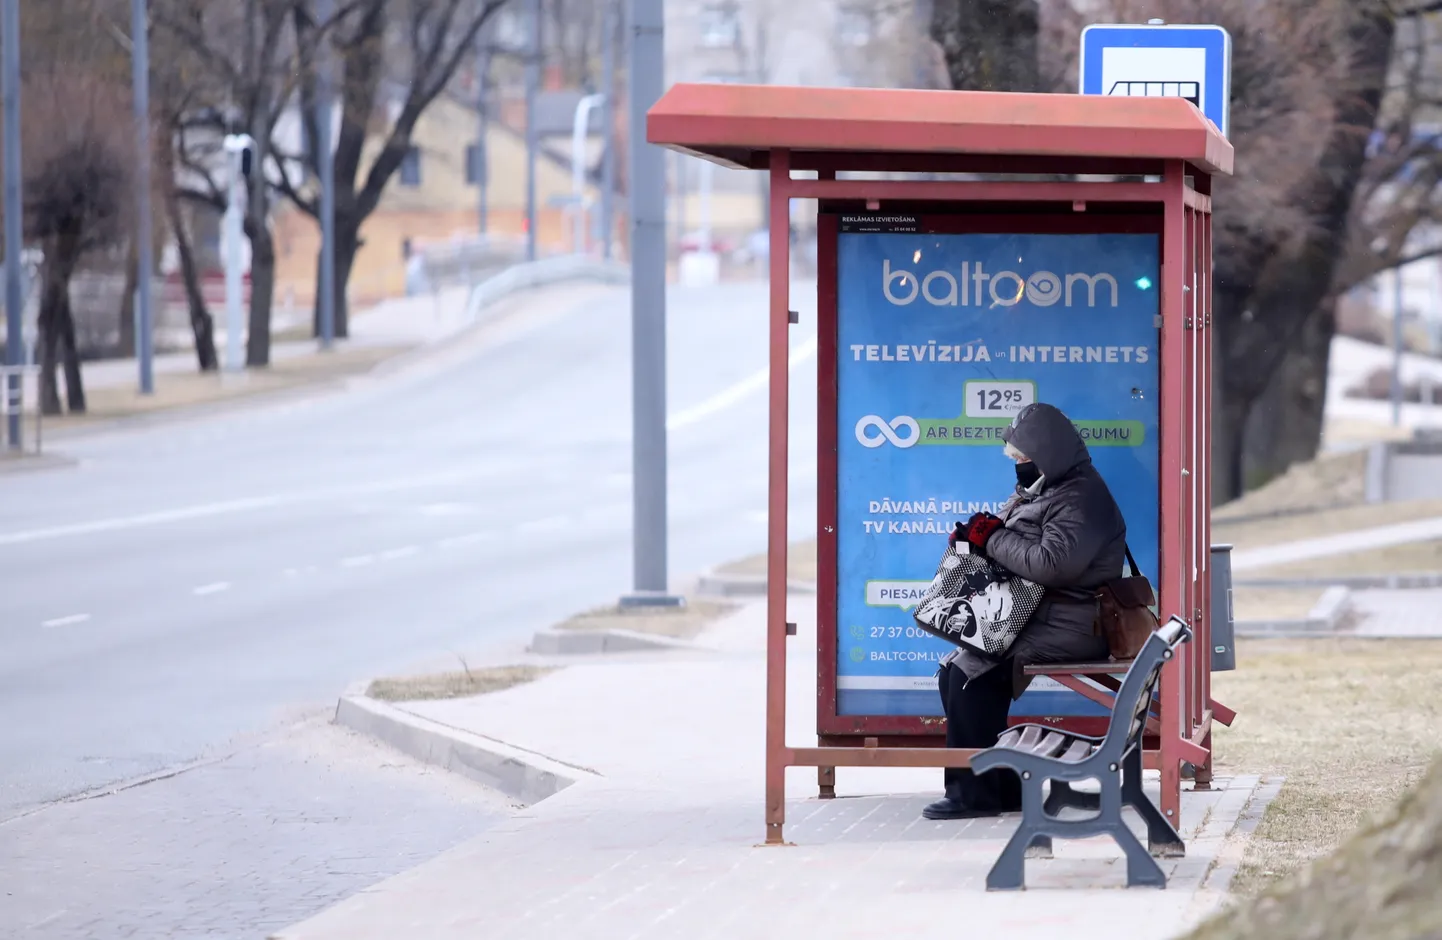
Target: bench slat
{"type": "Point", "coordinates": [1030, 737]}
{"type": "Point", "coordinates": [1078, 752]}
{"type": "Point", "coordinates": [1052, 744]}
{"type": "Point", "coordinates": [1078, 669]}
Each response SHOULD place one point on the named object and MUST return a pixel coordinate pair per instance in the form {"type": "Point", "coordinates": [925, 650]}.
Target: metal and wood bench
{"type": "Point", "coordinates": [1040, 754]}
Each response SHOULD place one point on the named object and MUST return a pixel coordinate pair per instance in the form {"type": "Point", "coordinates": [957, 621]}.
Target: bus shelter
{"type": "Point", "coordinates": [977, 251]}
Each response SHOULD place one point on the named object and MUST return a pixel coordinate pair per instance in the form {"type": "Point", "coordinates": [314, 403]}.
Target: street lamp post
{"type": "Point", "coordinates": [579, 125]}
{"type": "Point", "coordinates": [608, 126]}
{"type": "Point", "coordinates": [533, 139]}
{"type": "Point", "coordinates": [140, 64]}
{"type": "Point", "coordinates": [648, 310]}
{"type": "Point", "coordinates": [14, 212]}
{"type": "Point", "coordinates": [325, 160]}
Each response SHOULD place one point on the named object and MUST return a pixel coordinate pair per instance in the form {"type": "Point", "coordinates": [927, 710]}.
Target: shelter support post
{"type": "Point", "coordinates": [1174, 517]}
{"type": "Point", "coordinates": [778, 326]}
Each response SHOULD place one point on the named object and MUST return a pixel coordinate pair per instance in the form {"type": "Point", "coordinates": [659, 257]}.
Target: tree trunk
{"type": "Point", "coordinates": [347, 244]}
{"type": "Point", "coordinates": [70, 357]}
{"type": "Point", "coordinates": [51, 295]}
{"type": "Point", "coordinates": [1286, 422]}
{"type": "Point", "coordinates": [1270, 316]}
{"type": "Point", "coordinates": [57, 329]}
{"type": "Point", "coordinates": [126, 330]}
{"type": "Point", "coordinates": [262, 289]}
{"type": "Point", "coordinates": [202, 325]}
{"type": "Point", "coordinates": [988, 45]}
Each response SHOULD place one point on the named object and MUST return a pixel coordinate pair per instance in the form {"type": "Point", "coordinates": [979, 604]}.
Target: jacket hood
{"type": "Point", "coordinates": [1049, 438]}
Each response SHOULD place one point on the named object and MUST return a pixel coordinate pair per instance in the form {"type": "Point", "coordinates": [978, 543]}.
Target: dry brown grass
{"type": "Point", "coordinates": [1410, 558]}
{"type": "Point", "coordinates": [1253, 605]}
{"type": "Point", "coordinates": [800, 563]}
{"type": "Point", "coordinates": [681, 623]}
{"type": "Point", "coordinates": [461, 684]}
{"type": "Point", "coordinates": [1350, 723]}
{"type": "Point", "coordinates": [1325, 483]}
{"type": "Point", "coordinates": [177, 390]}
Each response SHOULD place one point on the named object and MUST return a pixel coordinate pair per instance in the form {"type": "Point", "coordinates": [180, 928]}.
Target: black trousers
{"type": "Point", "coordinates": [976, 714]}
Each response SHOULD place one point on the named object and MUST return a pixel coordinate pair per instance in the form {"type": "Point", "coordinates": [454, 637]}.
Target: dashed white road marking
{"type": "Point", "coordinates": [394, 553]}
{"type": "Point", "coordinates": [470, 538]}
{"type": "Point", "coordinates": [214, 587]}
{"type": "Point", "coordinates": [66, 621]}
{"type": "Point", "coordinates": [357, 561]}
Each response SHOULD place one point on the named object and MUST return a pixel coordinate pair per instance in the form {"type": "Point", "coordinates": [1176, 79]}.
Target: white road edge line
{"type": "Point", "coordinates": [65, 621]}
{"type": "Point", "coordinates": [214, 587]}
{"type": "Point", "coordinates": [207, 510]}
{"type": "Point", "coordinates": [730, 396]}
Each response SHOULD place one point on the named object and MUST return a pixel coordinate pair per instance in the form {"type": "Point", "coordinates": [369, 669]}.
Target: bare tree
{"type": "Point", "coordinates": [988, 45]}
{"type": "Point", "coordinates": [400, 53]}
{"type": "Point", "coordinates": [77, 195]}
{"type": "Point", "coordinates": [244, 64]}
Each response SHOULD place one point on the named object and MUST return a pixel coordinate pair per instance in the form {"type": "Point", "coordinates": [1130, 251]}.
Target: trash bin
{"type": "Point", "coordinates": [1224, 648]}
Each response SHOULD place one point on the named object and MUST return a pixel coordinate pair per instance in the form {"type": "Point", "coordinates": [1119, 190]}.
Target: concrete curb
{"type": "Point", "coordinates": [520, 775]}
{"type": "Point", "coordinates": [1393, 582]}
{"type": "Point", "coordinates": [591, 642]}
{"type": "Point", "coordinates": [717, 584]}
{"type": "Point", "coordinates": [542, 273]}
{"type": "Point", "coordinates": [1324, 619]}
{"type": "Point", "coordinates": [34, 462]}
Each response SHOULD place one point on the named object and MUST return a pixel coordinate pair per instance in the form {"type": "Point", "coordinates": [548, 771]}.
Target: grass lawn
{"type": "Point", "coordinates": [1350, 723]}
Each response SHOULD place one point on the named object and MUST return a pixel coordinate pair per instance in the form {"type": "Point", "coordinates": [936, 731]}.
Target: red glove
{"type": "Point", "coordinates": [979, 528]}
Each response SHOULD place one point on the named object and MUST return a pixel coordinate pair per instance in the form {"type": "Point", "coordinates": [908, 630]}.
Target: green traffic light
{"type": "Point", "coordinates": [1145, 283]}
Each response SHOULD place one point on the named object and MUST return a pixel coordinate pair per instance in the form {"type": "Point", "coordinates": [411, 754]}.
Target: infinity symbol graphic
{"type": "Point", "coordinates": [885, 431]}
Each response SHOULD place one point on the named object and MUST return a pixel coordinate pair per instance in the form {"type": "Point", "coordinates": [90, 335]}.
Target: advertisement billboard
{"type": "Point", "coordinates": [941, 339]}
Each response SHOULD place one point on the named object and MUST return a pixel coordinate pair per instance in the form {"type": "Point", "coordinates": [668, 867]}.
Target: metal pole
{"type": "Point", "coordinates": [533, 139]}
{"type": "Point", "coordinates": [231, 236]}
{"type": "Point", "coordinates": [608, 125]}
{"type": "Point", "coordinates": [325, 158]}
{"type": "Point", "coordinates": [483, 66]}
{"type": "Point", "coordinates": [1396, 347]}
{"type": "Point", "coordinates": [14, 211]}
{"type": "Point", "coordinates": [648, 306]}
{"type": "Point", "coordinates": [579, 126]}
{"type": "Point", "coordinates": [140, 62]}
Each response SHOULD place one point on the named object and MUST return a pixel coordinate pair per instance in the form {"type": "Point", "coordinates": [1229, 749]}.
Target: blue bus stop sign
{"type": "Point", "coordinates": [1192, 62]}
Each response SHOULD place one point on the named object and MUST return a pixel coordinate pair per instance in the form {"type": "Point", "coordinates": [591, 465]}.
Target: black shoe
{"type": "Point", "coordinates": [947, 808]}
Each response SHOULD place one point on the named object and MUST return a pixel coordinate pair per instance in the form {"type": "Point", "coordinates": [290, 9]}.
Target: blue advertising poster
{"type": "Point", "coordinates": [942, 338]}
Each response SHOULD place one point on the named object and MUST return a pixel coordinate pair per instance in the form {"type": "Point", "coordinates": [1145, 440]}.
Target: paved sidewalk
{"type": "Point", "coordinates": [1398, 613]}
{"type": "Point", "coordinates": [402, 321]}
{"type": "Point", "coordinates": [1285, 553]}
{"type": "Point", "coordinates": [659, 838]}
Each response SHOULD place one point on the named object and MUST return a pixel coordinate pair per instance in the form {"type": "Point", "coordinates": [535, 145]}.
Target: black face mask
{"type": "Point", "coordinates": [1027, 473]}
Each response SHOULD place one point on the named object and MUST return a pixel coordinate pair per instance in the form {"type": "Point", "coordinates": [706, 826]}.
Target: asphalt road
{"type": "Point", "coordinates": [194, 581]}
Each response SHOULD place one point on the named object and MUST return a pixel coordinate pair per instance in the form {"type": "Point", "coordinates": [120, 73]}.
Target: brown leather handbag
{"type": "Point", "coordinates": [1124, 612]}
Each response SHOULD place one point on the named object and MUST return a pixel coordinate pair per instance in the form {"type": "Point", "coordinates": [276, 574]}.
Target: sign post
{"type": "Point", "coordinates": [1160, 61]}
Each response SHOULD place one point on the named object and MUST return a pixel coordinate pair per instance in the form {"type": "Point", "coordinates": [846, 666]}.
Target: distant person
{"type": "Point", "coordinates": [1061, 529]}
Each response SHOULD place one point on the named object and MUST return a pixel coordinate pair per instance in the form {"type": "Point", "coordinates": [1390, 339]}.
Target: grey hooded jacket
{"type": "Point", "coordinates": [1066, 534]}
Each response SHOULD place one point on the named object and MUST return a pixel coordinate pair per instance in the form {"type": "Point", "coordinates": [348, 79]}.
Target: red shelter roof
{"type": "Point", "coordinates": [739, 125]}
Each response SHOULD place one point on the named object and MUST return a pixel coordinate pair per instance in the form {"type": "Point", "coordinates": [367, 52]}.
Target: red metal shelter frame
{"type": "Point", "coordinates": [1152, 160]}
